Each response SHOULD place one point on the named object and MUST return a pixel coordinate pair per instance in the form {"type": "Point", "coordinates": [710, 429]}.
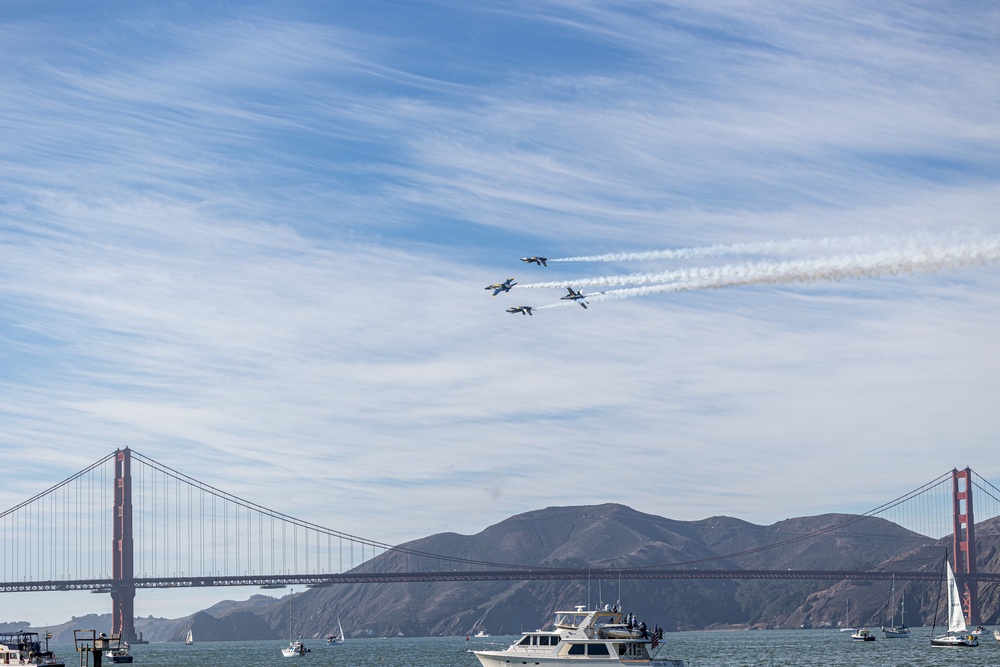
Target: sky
{"type": "Point", "coordinates": [250, 241]}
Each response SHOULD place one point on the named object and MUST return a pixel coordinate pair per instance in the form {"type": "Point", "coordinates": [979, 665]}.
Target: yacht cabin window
{"type": "Point", "coordinates": [570, 620]}
{"type": "Point", "coordinates": [539, 640]}
{"type": "Point", "coordinates": [588, 649]}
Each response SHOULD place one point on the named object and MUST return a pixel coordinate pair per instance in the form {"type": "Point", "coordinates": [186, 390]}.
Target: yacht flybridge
{"type": "Point", "coordinates": [602, 638]}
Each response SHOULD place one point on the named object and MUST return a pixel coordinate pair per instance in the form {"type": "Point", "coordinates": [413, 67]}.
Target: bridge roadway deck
{"type": "Point", "coordinates": [539, 574]}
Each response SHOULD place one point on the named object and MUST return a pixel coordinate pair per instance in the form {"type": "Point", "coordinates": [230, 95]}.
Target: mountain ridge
{"type": "Point", "coordinates": [613, 536]}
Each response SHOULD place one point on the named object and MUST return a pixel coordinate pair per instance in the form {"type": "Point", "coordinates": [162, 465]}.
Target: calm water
{"type": "Point", "coordinates": [778, 648]}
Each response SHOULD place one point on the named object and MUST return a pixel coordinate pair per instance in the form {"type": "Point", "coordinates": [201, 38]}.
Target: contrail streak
{"type": "Point", "coordinates": [807, 271]}
{"type": "Point", "coordinates": [833, 244]}
{"type": "Point", "coordinates": [867, 265]}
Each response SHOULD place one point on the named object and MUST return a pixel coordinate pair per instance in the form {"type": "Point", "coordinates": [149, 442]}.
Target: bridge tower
{"type": "Point", "coordinates": [965, 543]}
{"type": "Point", "coordinates": [122, 587]}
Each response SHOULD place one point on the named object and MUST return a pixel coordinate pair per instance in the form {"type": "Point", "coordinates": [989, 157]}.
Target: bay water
{"type": "Point", "coordinates": [760, 648]}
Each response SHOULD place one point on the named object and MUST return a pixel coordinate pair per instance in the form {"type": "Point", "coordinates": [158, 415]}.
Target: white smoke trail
{"type": "Point", "coordinates": [807, 271]}
{"type": "Point", "coordinates": [886, 262]}
{"type": "Point", "coordinates": [560, 304]}
{"type": "Point", "coordinates": [840, 245]}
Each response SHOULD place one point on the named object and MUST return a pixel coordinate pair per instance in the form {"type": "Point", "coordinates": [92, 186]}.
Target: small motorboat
{"type": "Point", "coordinates": [863, 635]}
{"type": "Point", "coordinates": [119, 654]}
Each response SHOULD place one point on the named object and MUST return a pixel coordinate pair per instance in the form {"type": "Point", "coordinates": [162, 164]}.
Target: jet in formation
{"type": "Point", "coordinates": [575, 296]}
{"type": "Point", "coordinates": [540, 261]}
{"type": "Point", "coordinates": [501, 287]}
{"type": "Point", "coordinates": [520, 309]}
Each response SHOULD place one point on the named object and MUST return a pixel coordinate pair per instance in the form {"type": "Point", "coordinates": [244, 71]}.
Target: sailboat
{"type": "Point", "coordinates": [846, 627]}
{"type": "Point", "coordinates": [957, 631]}
{"type": "Point", "coordinates": [337, 639]}
{"type": "Point", "coordinates": [295, 647]}
{"type": "Point", "coordinates": [190, 637]}
{"type": "Point", "coordinates": [896, 631]}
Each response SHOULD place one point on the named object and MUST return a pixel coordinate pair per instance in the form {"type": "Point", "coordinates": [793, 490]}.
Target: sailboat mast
{"type": "Point", "coordinates": [892, 600]}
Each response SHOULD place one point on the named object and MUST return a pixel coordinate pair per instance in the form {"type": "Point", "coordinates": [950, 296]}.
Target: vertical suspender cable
{"type": "Point", "coordinates": [201, 505]}
{"type": "Point", "coordinates": [90, 525]}
{"type": "Point", "coordinates": [177, 527]}
{"type": "Point", "coordinates": [190, 535]}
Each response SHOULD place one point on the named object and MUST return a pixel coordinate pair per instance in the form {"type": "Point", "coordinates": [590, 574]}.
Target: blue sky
{"type": "Point", "coordinates": [251, 239]}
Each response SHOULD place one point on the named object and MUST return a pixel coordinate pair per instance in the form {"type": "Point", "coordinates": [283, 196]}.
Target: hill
{"type": "Point", "coordinates": [612, 536]}
{"type": "Point", "coordinates": [607, 536]}
{"type": "Point", "coordinates": [870, 600]}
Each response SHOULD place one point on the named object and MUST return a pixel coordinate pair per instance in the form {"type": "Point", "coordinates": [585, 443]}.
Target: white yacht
{"type": "Point", "coordinates": [600, 638]}
{"type": "Point", "coordinates": [863, 635]}
{"type": "Point", "coordinates": [24, 648]}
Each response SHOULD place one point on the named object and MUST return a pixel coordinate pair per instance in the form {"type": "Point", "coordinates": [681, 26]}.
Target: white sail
{"type": "Point", "coordinates": [956, 617]}
{"type": "Point", "coordinates": [337, 639]}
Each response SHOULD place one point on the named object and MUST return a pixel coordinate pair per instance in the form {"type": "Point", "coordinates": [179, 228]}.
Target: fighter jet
{"type": "Point", "coordinates": [540, 261]}
{"type": "Point", "coordinates": [501, 287]}
{"type": "Point", "coordinates": [574, 296]}
{"type": "Point", "coordinates": [520, 309]}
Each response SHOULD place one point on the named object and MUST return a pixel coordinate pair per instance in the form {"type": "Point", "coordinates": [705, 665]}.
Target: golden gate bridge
{"type": "Point", "coordinates": [168, 530]}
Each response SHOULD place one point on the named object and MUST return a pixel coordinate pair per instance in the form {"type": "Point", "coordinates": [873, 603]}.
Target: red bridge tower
{"type": "Point", "coordinates": [965, 543]}
{"type": "Point", "coordinates": [122, 586]}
